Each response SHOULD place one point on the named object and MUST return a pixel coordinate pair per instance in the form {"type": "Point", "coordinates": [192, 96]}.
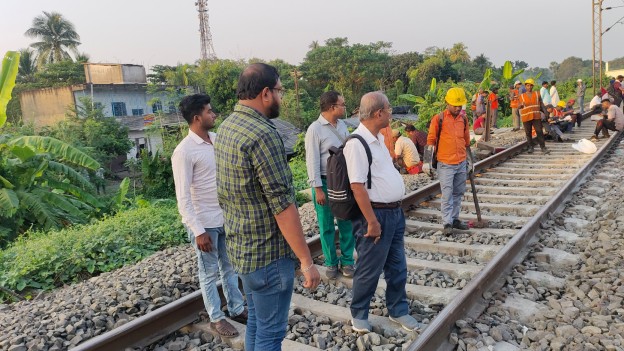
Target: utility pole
{"type": "Point", "coordinates": [207, 50]}
{"type": "Point", "coordinates": [597, 43]}
{"type": "Point", "coordinates": [296, 75]}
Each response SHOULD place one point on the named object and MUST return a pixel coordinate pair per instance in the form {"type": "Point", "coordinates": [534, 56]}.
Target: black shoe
{"type": "Point", "coordinates": [457, 224]}
{"type": "Point", "coordinates": [545, 151]}
{"type": "Point", "coordinates": [448, 229]}
{"type": "Point", "coordinates": [531, 149]}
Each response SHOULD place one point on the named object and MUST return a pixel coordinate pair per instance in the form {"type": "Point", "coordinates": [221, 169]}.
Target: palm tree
{"type": "Point", "coordinates": [458, 53]}
{"type": "Point", "coordinates": [27, 65]}
{"type": "Point", "coordinates": [56, 35]}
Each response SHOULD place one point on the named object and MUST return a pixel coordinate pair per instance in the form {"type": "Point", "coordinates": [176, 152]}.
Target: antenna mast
{"type": "Point", "coordinates": [207, 50]}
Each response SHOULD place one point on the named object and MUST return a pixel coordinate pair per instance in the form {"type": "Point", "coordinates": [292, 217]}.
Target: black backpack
{"type": "Point", "coordinates": [341, 200]}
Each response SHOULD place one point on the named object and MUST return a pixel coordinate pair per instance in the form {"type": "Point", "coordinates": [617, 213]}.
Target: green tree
{"type": "Point", "coordinates": [459, 54]}
{"type": "Point", "coordinates": [572, 67]}
{"type": "Point", "coordinates": [350, 69]}
{"type": "Point", "coordinates": [400, 64]}
{"type": "Point", "coordinates": [61, 73]}
{"type": "Point", "coordinates": [27, 66]}
{"type": "Point", "coordinates": [219, 79]}
{"type": "Point", "coordinates": [56, 35]}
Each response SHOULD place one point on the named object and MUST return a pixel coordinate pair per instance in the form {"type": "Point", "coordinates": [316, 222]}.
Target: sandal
{"type": "Point", "coordinates": [224, 328]}
{"type": "Point", "coordinates": [241, 318]}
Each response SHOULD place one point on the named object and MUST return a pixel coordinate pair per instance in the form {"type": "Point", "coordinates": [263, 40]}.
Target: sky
{"type": "Point", "coordinates": [151, 32]}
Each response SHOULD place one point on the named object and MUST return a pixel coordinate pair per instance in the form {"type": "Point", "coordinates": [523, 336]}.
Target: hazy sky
{"type": "Point", "coordinates": [166, 31]}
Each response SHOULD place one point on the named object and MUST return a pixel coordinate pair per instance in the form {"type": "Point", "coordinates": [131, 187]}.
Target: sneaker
{"type": "Point", "coordinates": [545, 151]}
{"type": "Point", "coordinates": [408, 322]}
{"type": "Point", "coordinates": [348, 270]}
{"type": "Point", "coordinates": [457, 224]}
{"type": "Point", "coordinates": [332, 272]}
{"type": "Point", "coordinates": [361, 325]}
{"type": "Point", "coordinates": [531, 149]}
{"type": "Point", "coordinates": [448, 229]}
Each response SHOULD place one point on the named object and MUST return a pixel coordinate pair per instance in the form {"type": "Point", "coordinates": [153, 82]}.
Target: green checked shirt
{"type": "Point", "coordinates": [254, 183]}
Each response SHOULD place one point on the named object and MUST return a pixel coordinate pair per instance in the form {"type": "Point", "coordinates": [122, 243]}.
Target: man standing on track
{"type": "Point", "coordinates": [326, 132]}
{"type": "Point", "coordinates": [531, 106]}
{"type": "Point", "coordinates": [514, 94]}
{"type": "Point", "coordinates": [255, 188]}
{"type": "Point", "coordinates": [451, 141]}
{"type": "Point", "coordinates": [580, 94]}
{"type": "Point", "coordinates": [380, 228]}
{"type": "Point", "coordinates": [195, 177]}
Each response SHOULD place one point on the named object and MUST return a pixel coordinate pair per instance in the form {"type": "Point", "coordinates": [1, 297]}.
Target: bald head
{"type": "Point", "coordinates": [372, 102]}
{"type": "Point", "coordinates": [254, 78]}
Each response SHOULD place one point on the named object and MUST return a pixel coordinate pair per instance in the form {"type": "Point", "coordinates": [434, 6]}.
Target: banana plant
{"type": "Point", "coordinates": [508, 74]}
{"type": "Point", "coordinates": [8, 73]}
{"type": "Point", "coordinates": [429, 99]}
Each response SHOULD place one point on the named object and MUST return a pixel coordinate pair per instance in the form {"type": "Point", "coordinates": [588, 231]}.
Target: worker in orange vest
{"type": "Point", "coordinates": [493, 100]}
{"type": "Point", "coordinates": [531, 106]}
{"type": "Point", "coordinates": [514, 102]}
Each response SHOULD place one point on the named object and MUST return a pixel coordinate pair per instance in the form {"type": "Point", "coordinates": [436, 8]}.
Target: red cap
{"type": "Point", "coordinates": [571, 101]}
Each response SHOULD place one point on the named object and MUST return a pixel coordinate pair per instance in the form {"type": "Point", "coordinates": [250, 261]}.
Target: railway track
{"type": "Point", "coordinates": [448, 276]}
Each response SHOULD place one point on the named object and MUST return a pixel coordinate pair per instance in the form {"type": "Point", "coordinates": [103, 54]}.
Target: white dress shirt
{"type": "Point", "coordinates": [319, 138]}
{"type": "Point", "coordinates": [386, 182]}
{"type": "Point", "coordinates": [195, 177]}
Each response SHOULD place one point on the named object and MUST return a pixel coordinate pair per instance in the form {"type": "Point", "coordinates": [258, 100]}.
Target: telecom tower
{"type": "Point", "coordinates": [207, 50]}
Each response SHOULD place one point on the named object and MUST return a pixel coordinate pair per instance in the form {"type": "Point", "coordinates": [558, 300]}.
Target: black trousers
{"type": "Point", "coordinates": [605, 126]}
{"type": "Point", "coordinates": [537, 124]}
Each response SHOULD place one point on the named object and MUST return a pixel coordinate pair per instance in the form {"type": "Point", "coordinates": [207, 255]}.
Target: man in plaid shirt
{"type": "Point", "coordinates": [262, 225]}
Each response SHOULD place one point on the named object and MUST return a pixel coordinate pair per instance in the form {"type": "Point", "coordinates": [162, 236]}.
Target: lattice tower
{"type": "Point", "coordinates": [207, 50]}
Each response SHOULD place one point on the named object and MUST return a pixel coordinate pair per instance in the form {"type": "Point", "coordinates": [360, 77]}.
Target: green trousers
{"type": "Point", "coordinates": [328, 232]}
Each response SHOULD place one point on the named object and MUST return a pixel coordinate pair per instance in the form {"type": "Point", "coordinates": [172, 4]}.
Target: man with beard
{"type": "Point", "coordinates": [195, 177]}
{"type": "Point", "coordinates": [262, 224]}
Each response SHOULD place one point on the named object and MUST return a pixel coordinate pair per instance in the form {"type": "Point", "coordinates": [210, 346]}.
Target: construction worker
{"type": "Point", "coordinates": [406, 153]}
{"type": "Point", "coordinates": [514, 94]}
{"type": "Point", "coordinates": [493, 100]}
{"type": "Point", "coordinates": [530, 107]}
{"type": "Point", "coordinates": [451, 138]}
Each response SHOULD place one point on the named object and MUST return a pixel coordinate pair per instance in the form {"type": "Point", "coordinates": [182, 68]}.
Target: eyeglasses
{"type": "Point", "coordinates": [389, 110]}
{"type": "Point", "coordinates": [280, 91]}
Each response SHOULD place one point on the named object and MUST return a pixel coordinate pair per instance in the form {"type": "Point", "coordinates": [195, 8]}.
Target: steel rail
{"type": "Point", "coordinates": [153, 326]}
{"type": "Point", "coordinates": [470, 301]}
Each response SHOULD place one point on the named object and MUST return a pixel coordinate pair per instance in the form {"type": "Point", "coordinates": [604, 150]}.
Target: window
{"type": "Point", "coordinates": [137, 112]}
{"type": "Point", "coordinates": [119, 109]}
{"type": "Point", "coordinates": [157, 107]}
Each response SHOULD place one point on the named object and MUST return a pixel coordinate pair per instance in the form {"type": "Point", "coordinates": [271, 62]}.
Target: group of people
{"type": "Point", "coordinates": [236, 198]}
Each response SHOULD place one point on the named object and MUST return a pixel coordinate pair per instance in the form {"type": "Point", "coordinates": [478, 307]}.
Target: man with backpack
{"type": "Point", "coordinates": [378, 190]}
{"type": "Point", "coordinates": [449, 140]}
{"type": "Point", "coordinates": [326, 132]}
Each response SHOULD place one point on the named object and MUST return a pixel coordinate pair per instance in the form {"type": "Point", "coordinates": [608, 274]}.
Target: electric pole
{"type": "Point", "coordinates": [207, 50]}
{"type": "Point", "coordinates": [597, 43]}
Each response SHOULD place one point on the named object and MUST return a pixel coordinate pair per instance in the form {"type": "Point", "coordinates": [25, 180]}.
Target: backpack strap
{"type": "Point", "coordinates": [440, 121]}
{"type": "Point", "coordinates": [368, 154]}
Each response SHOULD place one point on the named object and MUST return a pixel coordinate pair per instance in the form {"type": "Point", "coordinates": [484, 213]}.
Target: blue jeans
{"type": "Point", "coordinates": [581, 101]}
{"type": "Point", "coordinates": [268, 291]}
{"type": "Point", "coordinates": [453, 184]}
{"type": "Point", "coordinates": [211, 265]}
{"type": "Point", "coordinates": [387, 255]}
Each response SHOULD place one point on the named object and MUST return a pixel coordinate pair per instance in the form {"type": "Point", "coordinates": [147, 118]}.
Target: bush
{"type": "Point", "coordinates": [300, 173]}
{"type": "Point", "coordinates": [44, 260]}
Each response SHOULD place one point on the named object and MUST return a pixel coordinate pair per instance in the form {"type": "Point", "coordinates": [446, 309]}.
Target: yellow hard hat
{"type": "Point", "coordinates": [529, 81]}
{"type": "Point", "coordinates": [456, 97]}
{"type": "Point", "coordinates": [561, 103]}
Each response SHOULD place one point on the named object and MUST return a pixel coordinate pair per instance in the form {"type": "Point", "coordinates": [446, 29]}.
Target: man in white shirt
{"type": "Point", "coordinates": [380, 228]}
{"type": "Point", "coordinates": [595, 101]}
{"type": "Point", "coordinates": [195, 177]}
{"type": "Point", "coordinates": [326, 132]}
{"type": "Point", "coordinates": [613, 118]}
{"type": "Point", "coordinates": [545, 93]}
{"type": "Point", "coordinates": [406, 153]}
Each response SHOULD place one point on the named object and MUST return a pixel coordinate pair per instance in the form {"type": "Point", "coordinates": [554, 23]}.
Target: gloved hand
{"type": "Point", "coordinates": [469, 160]}
{"type": "Point", "coordinates": [428, 159]}
{"type": "Point", "coordinates": [426, 168]}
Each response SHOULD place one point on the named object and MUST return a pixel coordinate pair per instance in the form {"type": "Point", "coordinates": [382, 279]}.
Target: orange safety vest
{"type": "Point", "coordinates": [531, 108]}
{"type": "Point", "coordinates": [514, 103]}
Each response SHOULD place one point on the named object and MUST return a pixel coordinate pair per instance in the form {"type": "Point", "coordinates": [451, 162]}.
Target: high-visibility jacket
{"type": "Point", "coordinates": [531, 109]}
{"type": "Point", "coordinates": [514, 102]}
{"type": "Point", "coordinates": [473, 102]}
